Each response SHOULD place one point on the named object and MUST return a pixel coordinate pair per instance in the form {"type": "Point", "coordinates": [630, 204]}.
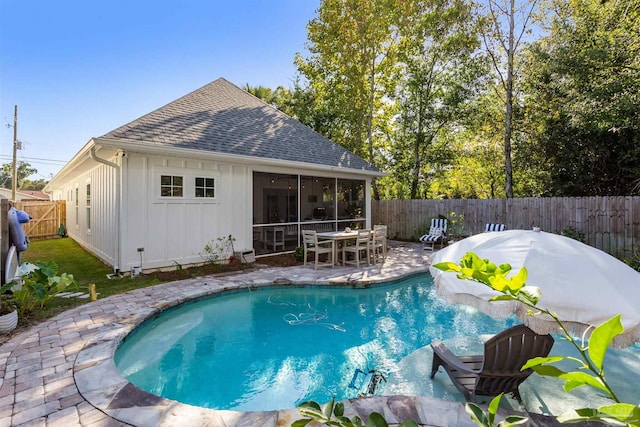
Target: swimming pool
{"type": "Point", "coordinates": [279, 346]}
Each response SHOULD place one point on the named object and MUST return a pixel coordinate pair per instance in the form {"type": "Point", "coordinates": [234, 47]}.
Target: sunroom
{"type": "Point", "coordinates": [286, 204]}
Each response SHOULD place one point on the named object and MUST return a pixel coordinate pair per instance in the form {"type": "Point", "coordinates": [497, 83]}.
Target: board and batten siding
{"type": "Point", "coordinates": [174, 231]}
{"type": "Point", "coordinates": [611, 224]}
{"type": "Point", "coordinates": [98, 239]}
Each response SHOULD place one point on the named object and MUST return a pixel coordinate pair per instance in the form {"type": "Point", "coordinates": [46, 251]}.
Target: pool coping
{"type": "Point", "coordinates": [63, 371]}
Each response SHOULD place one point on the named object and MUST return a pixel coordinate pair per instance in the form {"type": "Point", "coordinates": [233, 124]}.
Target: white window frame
{"type": "Point", "coordinates": [88, 206]}
{"type": "Point", "coordinates": [172, 186]}
{"type": "Point", "coordinates": [188, 185]}
{"type": "Point", "coordinates": [205, 187]}
{"type": "Point", "coordinates": [77, 191]}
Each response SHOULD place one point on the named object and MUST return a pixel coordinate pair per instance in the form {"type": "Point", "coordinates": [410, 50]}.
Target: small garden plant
{"type": "Point", "coordinates": [457, 229]}
{"type": "Point", "coordinates": [40, 283]}
{"type": "Point", "coordinates": [219, 250]}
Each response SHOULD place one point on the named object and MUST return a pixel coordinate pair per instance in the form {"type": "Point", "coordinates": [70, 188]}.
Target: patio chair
{"type": "Point", "coordinates": [311, 244]}
{"type": "Point", "coordinates": [379, 243]}
{"type": "Point", "coordinates": [437, 233]}
{"type": "Point", "coordinates": [498, 369]}
{"type": "Point", "coordinates": [493, 227]}
{"type": "Point", "coordinates": [360, 250]}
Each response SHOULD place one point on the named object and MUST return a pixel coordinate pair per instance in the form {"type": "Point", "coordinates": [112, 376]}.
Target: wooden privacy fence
{"type": "Point", "coordinates": [611, 224]}
{"type": "Point", "coordinates": [47, 217]}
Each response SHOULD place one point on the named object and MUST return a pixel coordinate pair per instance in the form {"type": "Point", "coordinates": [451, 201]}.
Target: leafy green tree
{"type": "Point", "coordinates": [437, 75]}
{"type": "Point", "coordinates": [36, 185]}
{"type": "Point", "coordinates": [24, 170]}
{"type": "Point", "coordinates": [505, 24]}
{"type": "Point", "coordinates": [351, 45]}
{"type": "Point", "coordinates": [583, 103]}
{"type": "Point", "coordinates": [278, 97]}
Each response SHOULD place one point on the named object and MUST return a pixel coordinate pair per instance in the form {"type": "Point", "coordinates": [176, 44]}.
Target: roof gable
{"type": "Point", "coordinates": [221, 117]}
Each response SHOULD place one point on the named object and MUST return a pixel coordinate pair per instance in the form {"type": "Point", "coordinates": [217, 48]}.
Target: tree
{"type": "Point", "coordinates": [437, 76]}
{"type": "Point", "coordinates": [583, 81]}
{"type": "Point", "coordinates": [351, 45]}
{"type": "Point", "coordinates": [36, 185]}
{"type": "Point", "coordinates": [24, 170]}
{"type": "Point", "coordinates": [505, 25]}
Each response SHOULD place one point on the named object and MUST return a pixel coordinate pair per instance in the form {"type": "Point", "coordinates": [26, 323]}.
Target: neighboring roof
{"type": "Point", "coordinates": [5, 193]}
{"type": "Point", "coordinates": [220, 117]}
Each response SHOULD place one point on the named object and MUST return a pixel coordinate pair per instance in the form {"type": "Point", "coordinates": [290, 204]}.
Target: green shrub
{"type": "Point", "coordinates": [298, 254]}
{"type": "Point", "coordinates": [575, 234]}
{"type": "Point", "coordinates": [40, 283]}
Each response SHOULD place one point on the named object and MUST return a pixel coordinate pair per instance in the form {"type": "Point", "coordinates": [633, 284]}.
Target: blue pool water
{"type": "Point", "coordinates": [277, 347]}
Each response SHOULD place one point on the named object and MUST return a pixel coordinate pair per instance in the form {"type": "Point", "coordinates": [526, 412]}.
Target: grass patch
{"type": "Point", "coordinates": [86, 269]}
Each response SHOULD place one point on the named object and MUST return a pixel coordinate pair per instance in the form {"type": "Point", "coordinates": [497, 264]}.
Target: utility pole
{"type": "Point", "coordinates": [14, 184]}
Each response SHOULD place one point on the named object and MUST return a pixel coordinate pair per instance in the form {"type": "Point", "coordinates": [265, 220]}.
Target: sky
{"type": "Point", "coordinates": [79, 69]}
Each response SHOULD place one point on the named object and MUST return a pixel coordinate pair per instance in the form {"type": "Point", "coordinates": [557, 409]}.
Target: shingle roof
{"type": "Point", "coordinates": [221, 117]}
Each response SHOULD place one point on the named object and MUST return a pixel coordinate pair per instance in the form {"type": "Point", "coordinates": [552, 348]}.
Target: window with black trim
{"type": "Point", "coordinates": [205, 187]}
{"type": "Point", "coordinates": [171, 186]}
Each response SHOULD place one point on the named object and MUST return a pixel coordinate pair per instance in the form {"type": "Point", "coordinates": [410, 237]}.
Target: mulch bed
{"type": "Point", "coordinates": [280, 260]}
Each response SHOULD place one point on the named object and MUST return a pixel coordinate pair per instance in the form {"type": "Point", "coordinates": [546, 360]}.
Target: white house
{"type": "Point", "coordinates": [214, 163]}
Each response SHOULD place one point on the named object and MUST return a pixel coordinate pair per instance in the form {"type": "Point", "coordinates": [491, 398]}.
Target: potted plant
{"type": "Point", "coordinates": [8, 310]}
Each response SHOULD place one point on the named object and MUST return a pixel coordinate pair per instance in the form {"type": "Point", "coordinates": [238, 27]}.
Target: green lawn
{"type": "Point", "coordinates": [86, 269]}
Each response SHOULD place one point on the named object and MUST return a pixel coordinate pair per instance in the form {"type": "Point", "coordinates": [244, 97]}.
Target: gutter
{"type": "Point", "coordinates": [116, 256]}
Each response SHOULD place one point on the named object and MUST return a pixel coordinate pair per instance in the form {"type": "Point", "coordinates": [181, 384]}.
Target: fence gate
{"type": "Point", "coordinates": [47, 217]}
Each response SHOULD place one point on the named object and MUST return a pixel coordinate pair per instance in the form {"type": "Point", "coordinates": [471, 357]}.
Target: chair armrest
{"type": "Point", "coordinates": [331, 243]}
{"type": "Point", "coordinates": [451, 359]}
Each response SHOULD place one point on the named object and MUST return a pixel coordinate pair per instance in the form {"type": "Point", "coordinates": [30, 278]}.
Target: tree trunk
{"type": "Point", "coordinates": [415, 176]}
{"type": "Point", "coordinates": [374, 184]}
{"type": "Point", "coordinates": [509, 106]}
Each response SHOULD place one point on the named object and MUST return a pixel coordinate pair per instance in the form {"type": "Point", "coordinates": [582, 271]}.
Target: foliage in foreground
{"type": "Point", "coordinates": [590, 371]}
{"type": "Point", "coordinates": [40, 284]}
{"type": "Point", "coordinates": [488, 419]}
{"type": "Point", "coordinates": [332, 414]}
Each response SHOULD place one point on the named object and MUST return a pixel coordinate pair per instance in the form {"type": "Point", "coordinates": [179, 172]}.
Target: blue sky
{"type": "Point", "coordinates": [79, 69]}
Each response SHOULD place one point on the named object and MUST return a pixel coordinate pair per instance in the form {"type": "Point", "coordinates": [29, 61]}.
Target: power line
{"type": "Point", "coordinates": [35, 160]}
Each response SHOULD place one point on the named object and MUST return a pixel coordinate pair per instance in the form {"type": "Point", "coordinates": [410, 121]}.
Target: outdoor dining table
{"type": "Point", "coordinates": [337, 236]}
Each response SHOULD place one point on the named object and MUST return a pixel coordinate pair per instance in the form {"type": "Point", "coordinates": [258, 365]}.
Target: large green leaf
{"type": "Point", "coordinates": [532, 294]}
{"type": "Point", "coordinates": [447, 266]}
{"type": "Point", "coordinates": [301, 422]}
{"type": "Point", "coordinates": [492, 409]}
{"type": "Point", "coordinates": [476, 414]}
{"type": "Point", "coordinates": [542, 360]}
{"type": "Point", "coordinates": [621, 414]}
{"type": "Point", "coordinates": [601, 339]}
{"type": "Point", "coordinates": [513, 420]}
{"type": "Point", "coordinates": [580, 379]}
{"type": "Point", "coordinates": [376, 420]}
{"type": "Point", "coordinates": [48, 268]}
{"type": "Point", "coordinates": [625, 412]}
{"type": "Point", "coordinates": [311, 409]}
{"type": "Point", "coordinates": [548, 370]}
{"type": "Point", "coordinates": [328, 409]}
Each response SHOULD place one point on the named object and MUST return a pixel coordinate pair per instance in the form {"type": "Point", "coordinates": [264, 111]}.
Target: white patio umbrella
{"type": "Point", "coordinates": [583, 285]}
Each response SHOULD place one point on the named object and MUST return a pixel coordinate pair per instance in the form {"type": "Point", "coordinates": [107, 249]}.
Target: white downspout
{"type": "Point", "coordinates": [116, 256]}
